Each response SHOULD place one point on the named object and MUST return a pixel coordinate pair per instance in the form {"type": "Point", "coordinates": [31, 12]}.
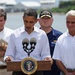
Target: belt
{"type": "Point", "coordinates": [70, 70]}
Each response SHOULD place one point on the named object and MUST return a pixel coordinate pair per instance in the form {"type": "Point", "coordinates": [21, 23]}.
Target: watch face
{"type": "Point", "coordinates": [29, 65]}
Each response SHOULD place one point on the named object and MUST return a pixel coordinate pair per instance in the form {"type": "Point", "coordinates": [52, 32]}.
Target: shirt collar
{"type": "Point", "coordinates": [67, 34]}
{"type": "Point", "coordinates": [54, 32]}
{"type": "Point", "coordinates": [22, 29]}
{"type": "Point", "coordinates": [2, 30]}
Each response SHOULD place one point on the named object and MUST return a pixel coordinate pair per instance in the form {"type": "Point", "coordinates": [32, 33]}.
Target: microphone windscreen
{"type": "Point", "coordinates": [32, 41]}
{"type": "Point", "coordinates": [25, 41]}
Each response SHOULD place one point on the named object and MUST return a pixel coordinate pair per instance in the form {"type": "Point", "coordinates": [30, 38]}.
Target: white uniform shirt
{"type": "Point", "coordinates": [15, 47]}
{"type": "Point", "coordinates": [65, 50]}
{"type": "Point", "coordinates": [5, 33]}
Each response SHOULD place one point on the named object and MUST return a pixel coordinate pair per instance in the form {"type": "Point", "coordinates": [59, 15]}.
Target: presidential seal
{"type": "Point", "coordinates": [29, 65]}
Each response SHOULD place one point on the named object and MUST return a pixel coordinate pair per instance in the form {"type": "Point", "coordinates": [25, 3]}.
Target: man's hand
{"type": "Point", "coordinates": [8, 58]}
{"type": "Point", "coordinates": [49, 59]}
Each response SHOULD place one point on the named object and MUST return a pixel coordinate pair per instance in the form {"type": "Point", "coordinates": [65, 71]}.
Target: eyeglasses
{"type": "Point", "coordinates": [72, 22]}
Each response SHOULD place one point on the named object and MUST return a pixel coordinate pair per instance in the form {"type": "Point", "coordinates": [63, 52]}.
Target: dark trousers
{"type": "Point", "coordinates": [54, 70]}
{"type": "Point", "coordinates": [21, 73]}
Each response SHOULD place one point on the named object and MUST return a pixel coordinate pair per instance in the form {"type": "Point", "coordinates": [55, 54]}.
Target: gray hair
{"type": "Point", "coordinates": [70, 13]}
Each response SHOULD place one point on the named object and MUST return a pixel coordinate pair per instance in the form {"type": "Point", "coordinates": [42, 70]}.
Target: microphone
{"type": "Point", "coordinates": [25, 43]}
{"type": "Point", "coordinates": [33, 43]}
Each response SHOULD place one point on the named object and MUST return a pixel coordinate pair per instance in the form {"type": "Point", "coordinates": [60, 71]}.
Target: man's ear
{"type": "Point", "coordinates": [52, 20]}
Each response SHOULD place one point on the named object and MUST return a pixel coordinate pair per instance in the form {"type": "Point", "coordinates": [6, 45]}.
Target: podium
{"type": "Point", "coordinates": [16, 66]}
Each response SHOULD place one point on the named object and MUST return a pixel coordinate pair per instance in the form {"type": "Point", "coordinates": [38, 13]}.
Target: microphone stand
{"type": "Point", "coordinates": [30, 63]}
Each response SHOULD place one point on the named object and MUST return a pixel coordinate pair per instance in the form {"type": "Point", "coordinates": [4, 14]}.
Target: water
{"type": "Point", "coordinates": [15, 20]}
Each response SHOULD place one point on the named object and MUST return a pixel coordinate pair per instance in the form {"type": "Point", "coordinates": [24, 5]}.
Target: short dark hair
{"type": "Point", "coordinates": [3, 13]}
{"type": "Point", "coordinates": [31, 12]}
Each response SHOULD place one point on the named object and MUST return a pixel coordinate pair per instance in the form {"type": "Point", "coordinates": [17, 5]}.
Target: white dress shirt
{"type": "Point", "coordinates": [5, 34]}
{"type": "Point", "coordinates": [15, 47]}
{"type": "Point", "coordinates": [65, 50]}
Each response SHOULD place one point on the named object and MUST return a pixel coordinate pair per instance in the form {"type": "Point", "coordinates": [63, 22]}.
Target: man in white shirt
{"type": "Point", "coordinates": [64, 52]}
{"type": "Point", "coordinates": [15, 49]}
{"type": "Point", "coordinates": [4, 38]}
{"type": "Point", "coordinates": [4, 32]}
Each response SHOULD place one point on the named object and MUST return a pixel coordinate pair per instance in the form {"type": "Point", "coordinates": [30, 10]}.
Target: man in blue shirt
{"type": "Point", "coordinates": [45, 21]}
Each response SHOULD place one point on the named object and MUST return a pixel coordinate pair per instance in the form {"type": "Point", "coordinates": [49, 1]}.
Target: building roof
{"type": "Point", "coordinates": [2, 1]}
{"type": "Point", "coordinates": [9, 2]}
{"type": "Point", "coordinates": [27, 4]}
{"type": "Point", "coordinates": [31, 4]}
{"type": "Point", "coordinates": [47, 1]}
